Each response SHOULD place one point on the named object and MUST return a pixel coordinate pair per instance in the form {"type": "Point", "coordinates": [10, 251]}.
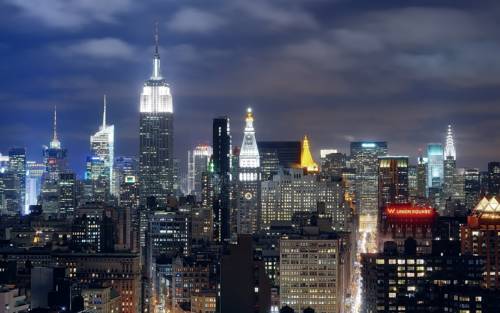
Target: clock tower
{"type": "Point", "coordinates": [248, 217]}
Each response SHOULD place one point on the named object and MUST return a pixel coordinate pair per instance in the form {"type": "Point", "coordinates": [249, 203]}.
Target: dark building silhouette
{"type": "Point", "coordinates": [245, 286]}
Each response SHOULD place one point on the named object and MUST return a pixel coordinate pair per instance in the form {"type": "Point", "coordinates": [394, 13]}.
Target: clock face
{"type": "Point", "coordinates": [248, 196]}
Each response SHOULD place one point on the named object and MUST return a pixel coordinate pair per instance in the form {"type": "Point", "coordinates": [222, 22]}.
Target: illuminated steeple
{"type": "Point", "coordinates": [55, 143]}
{"type": "Point", "coordinates": [156, 58]}
{"type": "Point", "coordinates": [249, 154]}
{"type": "Point", "coordinates": [104, 114]}
{"type": "Point", "coordinates": [306, 159]}
{"type": "Point", "coordinates": [449, 150]}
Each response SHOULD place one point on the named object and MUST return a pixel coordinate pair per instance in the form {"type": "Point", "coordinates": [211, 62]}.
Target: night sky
{"type": "Point", "coordinates": [334, 70]}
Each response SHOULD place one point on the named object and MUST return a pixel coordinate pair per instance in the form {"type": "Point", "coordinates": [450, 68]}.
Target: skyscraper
{"type": "Point", "coordinates": [435, 165]}
{"type": "Point", "coordinates": [392, 180]}
{"type": "Point", "coordinates": [221, 158]}
{"type": "Point", "coordinates": [450, 166]}
{"type": "Point", "coordinates": [494, 178]}
{"type": "Point", "coordinates": [364, 159]}
{"type": "Point", "coordinates": [249, 180]}
{"type": "Point", "coordinates": [17, 165]}
{"type": "Point", "coordinates": [156, 136]}
{"type": "Point", "coordinates": [54, 156]}
{"type": "Point", "coordinates": [102, 146]}
{"type": "Point", "coordinates": [472, 187]}
{"type": "Point", "coordinates": [34, 173]}
{"type": "Point", "coordinates": [198, 160]}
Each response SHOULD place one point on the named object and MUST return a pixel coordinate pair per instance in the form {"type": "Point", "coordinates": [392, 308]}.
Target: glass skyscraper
{"type": "Point", "coordinates": [102, 145]}
{"type": "Point", "coordinates": [435, 165]}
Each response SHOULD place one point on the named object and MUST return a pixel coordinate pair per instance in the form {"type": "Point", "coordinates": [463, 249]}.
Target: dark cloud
{"type": "Point", "coordinates": [335, 70]}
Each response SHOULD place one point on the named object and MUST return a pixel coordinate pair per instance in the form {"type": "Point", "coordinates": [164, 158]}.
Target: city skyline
{"type": "Point", "coordinates": [110, 57]}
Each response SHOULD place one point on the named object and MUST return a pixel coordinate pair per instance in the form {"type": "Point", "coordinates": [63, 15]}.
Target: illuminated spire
{"type": "Point", "coordinates": [249, 153]}
{"type": "Point", "coordinates": [449, 150]}
{"type": "Point", "coordinates": [55, 143]}
{"type": "Point", "coordinates": [306, 159]}
{"type": "Point", "coordinates": [104, 114]}
{"type": "Point", "coordinates": [156, 56]}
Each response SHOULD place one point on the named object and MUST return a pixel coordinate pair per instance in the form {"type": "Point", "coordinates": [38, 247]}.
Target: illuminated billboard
{"type": "Point", "coordinates": [410, 211]}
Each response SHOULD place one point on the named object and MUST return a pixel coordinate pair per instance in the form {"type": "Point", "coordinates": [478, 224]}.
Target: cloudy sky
{"type": "Point", "coordinates": [335, 70]}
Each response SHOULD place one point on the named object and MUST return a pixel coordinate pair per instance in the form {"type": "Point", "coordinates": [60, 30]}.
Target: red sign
{"type": "Point", "coordinates": [407, 210]}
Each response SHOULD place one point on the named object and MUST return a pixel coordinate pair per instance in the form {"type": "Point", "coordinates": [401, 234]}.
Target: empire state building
{"type": "Point", "coordinates": [156, 136]}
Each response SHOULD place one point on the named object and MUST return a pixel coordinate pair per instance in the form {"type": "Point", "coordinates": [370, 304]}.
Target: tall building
{"type": "Point", "coordinates": [472, 187]}
{"type": "Point", "coordinates": [248, 217]}
{"type": "Point", "coordinates": [306, 159]}
{"type": "Point", "coordinates": [401, 282]}
{"type": "Point", "coordinates": [34, 173]}
{"type": "Point", "coordinates": [494, 178]}
{"type": "Point", "coordinates": [400, 221]}
{"type": "Point", "coordinates": [17, 166]}
{"type": "Point", "coordinates": [198, 160]}
{"type": "Point", "coordinates": [67, 193]}
{"type": "Point", "coordinates": [219, 178]}
{"type": "Point", "coordinates": [287, 152]}
{"type": "Point", "coordinates": [364, 159]}
{"type": "Point", "coordinates": [96, 180]}
{"type": "Point", "coordinates": [449, 149]}
{"type": "Point", "coordinates": [435, 165]}
{"type": "Point", "coordinates": [54, 156]}
{"type": "Point", "coordinates": [421, 177]}
{"type": "Point", "coordinates": [244, 284]}
{"type": "Point", "coordinates": [392, 180]}
{"type": "Point", "coordinates": [102, 145]}
{"type": "Point", "coordinates": [481, 236]}
{"type": "Point", "coordinates": [310, 273]}
{"type": "Point", "coordinates": [333, 164]}
{"type": "Point", "coordinates": [412, 182]}
{"type": "Point", "coordinates": [156, 136]}
{"type": "Point", "coordinates": [292, 191]}
{"type": "Point", "coordinates": [450, 167]}
{"type": "Point", "coordinates": [276, 154]}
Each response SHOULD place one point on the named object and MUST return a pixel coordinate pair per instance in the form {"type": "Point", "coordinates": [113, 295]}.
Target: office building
{"type": "Point", "coordinates": [101, 269]}
{"type": "Point", "coordinates": [364, 159]}
{"type": "Point", "coordinates": [400, 221]}
{"type": "Point", "coordinates": [310, 273]}
{"type": "Point", "coordinates": [248, 216]}
{"type": "Point", "coordinates": [333, 164]}
{"type": "Point", "coordinates": [472, 187]}
{"type": "Point", "coordinates": [54, 156]}
{"type": "Point", "coordinates": [34, 173]}
{"type": "Point", "coordinates": [480, 236]}
{"type": "Point", "coordinates": [156, 136]}
{"type": "Point", "coordinates": [102, 145]}
{"type": "Point", "coordinates": [17, 166]}
{"type": "Point", "coordinates": [393, 184]}
{"type": "Point", "coordinates": [169, 233]}
{"type": "Point", "coordinates": [292, 191]}
{"type": "Point", "coordinates": [67, 194]}
{"type": "Point", "coordinates": [435, 165]}
{"type": "Point", "coordinates": [198, 161]}
{"type": "Point", "coordinates": [287, 152]}
{"type": "Point", "coordinates": [244, 284]}
{"type": "Point", "coordinates": [101, 300]}
{"type": "Point", "coordinates": [406, 282]}
{"type": "Point", "coordinates": [220, 177]}
{"type": "Point", "coordinates": [97, 180]}
{"type": "Point", "coordinates": [494, 178]}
